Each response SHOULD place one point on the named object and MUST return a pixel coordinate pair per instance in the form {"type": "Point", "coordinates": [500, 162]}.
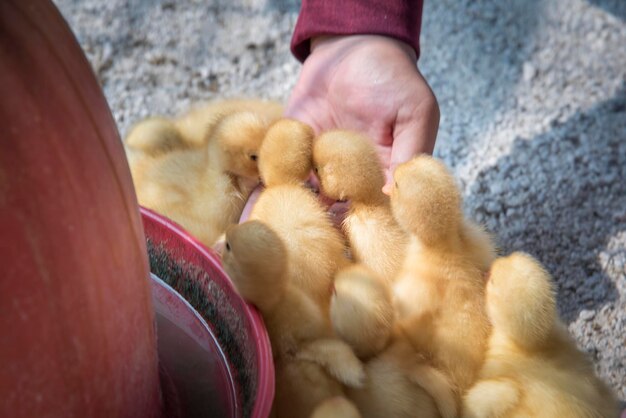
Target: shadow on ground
{"type": "Point", "coordinates": [615, 7]}
{"type": "Point", "coordinates": [473, 56]}
{"type": "Point", "coordinates": [561, 196]}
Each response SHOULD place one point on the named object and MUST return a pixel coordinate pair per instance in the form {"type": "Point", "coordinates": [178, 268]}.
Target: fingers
{"type": "Point", "coordinates": [414, 134]}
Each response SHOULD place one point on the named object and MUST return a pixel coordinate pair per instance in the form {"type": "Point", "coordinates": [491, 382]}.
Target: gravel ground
{"type": "Point", "coordinates": [533, 104]}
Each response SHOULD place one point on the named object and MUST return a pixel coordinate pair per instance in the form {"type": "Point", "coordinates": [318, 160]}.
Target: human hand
{"type": "Point", "coordinates": [370, 84]}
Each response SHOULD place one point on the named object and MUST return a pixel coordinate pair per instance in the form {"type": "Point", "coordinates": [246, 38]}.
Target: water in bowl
{"type": "Point", "coordinates": [194, 367]}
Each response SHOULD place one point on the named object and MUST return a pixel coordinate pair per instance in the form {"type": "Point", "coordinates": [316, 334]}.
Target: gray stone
{"type": "Point", "coordinates": [587, 315]}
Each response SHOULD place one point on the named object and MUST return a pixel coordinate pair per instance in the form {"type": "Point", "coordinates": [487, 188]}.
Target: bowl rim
{"type": "Point", "coordinates": [265, 362]}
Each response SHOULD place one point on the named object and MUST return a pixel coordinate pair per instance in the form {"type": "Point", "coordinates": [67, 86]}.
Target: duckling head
{"type": "Point", "coordinates": [521, 299]}
{"type": "Point", "coordinates": [285, 156]}
{"type": "Point", "coordinates": [255, 259]}
{"type": "Point", "coordinates": [238, 138]}
{"type": "Point", "coordinates": [426, 201]}
{"type": "Point", "coordinates": [348, 167]}
{"type": "Point", "coordinates": [154, 136]}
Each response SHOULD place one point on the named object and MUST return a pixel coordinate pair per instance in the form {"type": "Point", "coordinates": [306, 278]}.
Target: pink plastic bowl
{"type": "Point", "coordinates": [196, 274]}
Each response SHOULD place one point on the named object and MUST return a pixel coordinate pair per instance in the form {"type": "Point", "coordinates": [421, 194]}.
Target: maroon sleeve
{"type": "Point", "coordinates": [400, 19]}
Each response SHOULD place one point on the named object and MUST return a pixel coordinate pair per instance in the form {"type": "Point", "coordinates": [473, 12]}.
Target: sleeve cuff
{"type": "Point", "coordinates": [399, 19]}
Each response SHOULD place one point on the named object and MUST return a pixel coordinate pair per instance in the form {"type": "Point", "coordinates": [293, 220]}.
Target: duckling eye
{"type": "Point", "coordinates": [315, 169]}
{"type": "Point", "coordinates": [227, 247]}
{"type": "Point", "coordinates": [253, 157]}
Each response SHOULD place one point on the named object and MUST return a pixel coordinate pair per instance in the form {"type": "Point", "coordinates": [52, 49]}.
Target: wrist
{"type": "Point", "coordinates": [343, 43]}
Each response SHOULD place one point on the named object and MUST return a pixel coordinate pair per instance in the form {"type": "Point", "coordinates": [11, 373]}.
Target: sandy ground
{"type": "Point", "coordinates": [533, 104]}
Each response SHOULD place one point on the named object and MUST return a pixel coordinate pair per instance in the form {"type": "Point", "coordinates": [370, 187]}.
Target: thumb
{"type": "Point", "coordinates": [413, 136]}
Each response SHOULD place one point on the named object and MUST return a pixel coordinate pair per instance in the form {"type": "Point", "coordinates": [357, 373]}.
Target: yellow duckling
{"type": "Point", "coordinates": [192, 129]}
{"type": "Point", "coordinates": [401, 384]}
{"type": "Point", "coordinates": [310, 364]}
{"type": "Point", "coordinates": [315, 249]}
{"type": "Point", "coordinates": [533, 368]}
{"type": "Point", "coordinates": [204, 189]}
{"type": "Point", "coordinates": [439, 294]}
{"type": "Point", "coordinates": [348, 168]}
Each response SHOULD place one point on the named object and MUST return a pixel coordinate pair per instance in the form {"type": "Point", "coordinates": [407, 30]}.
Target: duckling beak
{"type": "Point", "coordinates": [219, 247]}
{"type": "Point", "coordinates": [388, 187]}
